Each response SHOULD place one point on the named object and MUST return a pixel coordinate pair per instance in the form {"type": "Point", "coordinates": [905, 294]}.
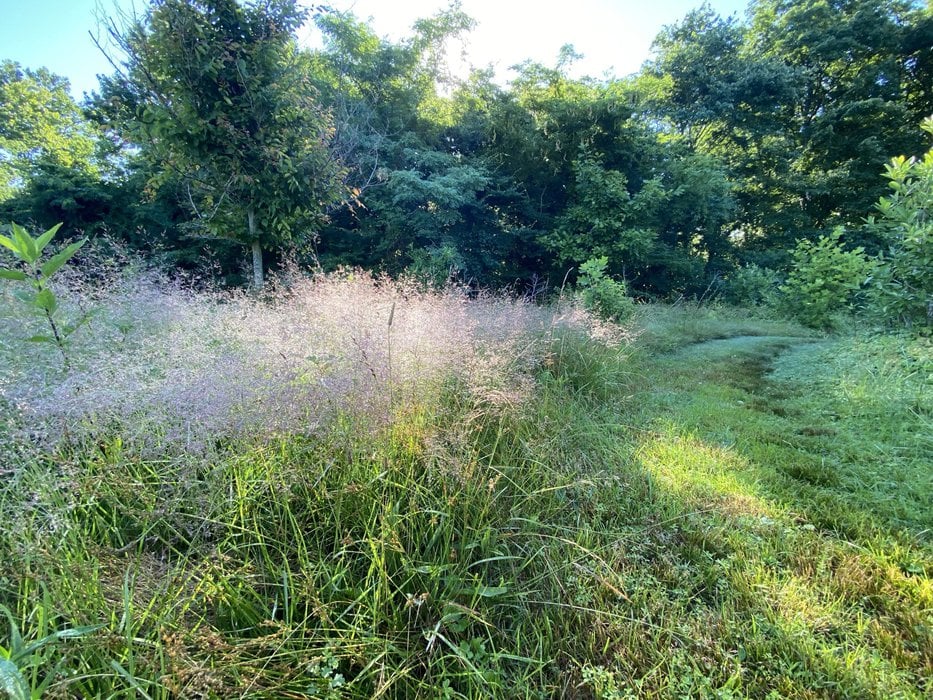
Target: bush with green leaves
{"type": "Point", "coordinates": [753, 285]}
{"type": "Point", "coordinates": [825, 279]}
{"type": "Point", "coordinates": [601, 294]}
{"type": "Point", "coordinates": [903, 283]}
{"type": "Point", "coordinates": [37, 275]}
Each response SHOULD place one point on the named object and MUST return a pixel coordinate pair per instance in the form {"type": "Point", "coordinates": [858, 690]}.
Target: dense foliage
{"type": "Point", "coordinates": [735, 141]}
{"type": "Point", "coordinates": [400, 474]}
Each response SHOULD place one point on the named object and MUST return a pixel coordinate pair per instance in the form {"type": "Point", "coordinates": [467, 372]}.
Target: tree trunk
{"type": "Point", "coordinates": [257, 250]}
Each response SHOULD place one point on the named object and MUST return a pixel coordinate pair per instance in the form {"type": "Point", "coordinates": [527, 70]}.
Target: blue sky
{"type": "Point", "coordinates": [614, 35]}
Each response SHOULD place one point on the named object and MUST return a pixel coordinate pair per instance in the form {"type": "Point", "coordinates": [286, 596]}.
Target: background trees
{"type": "Point", "coordinates": [736, 140]}
{"type": "Point", "coordinates": [215, 92]}
{"type": "Point", "coordinates": [40, 125]}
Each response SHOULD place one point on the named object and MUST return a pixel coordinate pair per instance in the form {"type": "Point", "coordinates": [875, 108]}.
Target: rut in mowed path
{"type": "Point", "coordinates": [808, 435]}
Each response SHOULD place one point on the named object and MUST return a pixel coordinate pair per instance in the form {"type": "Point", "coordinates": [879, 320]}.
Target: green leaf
{"type": "Point", "coordinates": [70, 633]}
{"type": "Point", "coordinates": [53, 264]}
{"type": "Point", "coordinates": [12, 682]}
{"type": "Point", "coordinates": [43, 240]}
{"type": "Point", "coordinates": [85, 319]}
{"type": "Point", "coordinates": [16, 639]}
{"type": "Point", "coordinates": [15, 275]}
{"type": "Point", "coordinates": [26, 243]}
{"type": "Point", "coordinates": [25, 295]}
{"type": "Point", "coordinates": [486, 591]}
{"type": "Point", "coordinates": [129, 678]}
{"type": "Point", "coordinates": [12, 245]}
{"type": "Point", "coordinates": [46, 301]}
{"type": "Point", "coordinates": [41, 339]}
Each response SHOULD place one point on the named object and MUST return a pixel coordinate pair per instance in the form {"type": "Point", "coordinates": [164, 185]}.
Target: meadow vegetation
{"type": "Point", "coordinates": [531, 454]}
{"type": "Point", "coordinates": [360, 487]}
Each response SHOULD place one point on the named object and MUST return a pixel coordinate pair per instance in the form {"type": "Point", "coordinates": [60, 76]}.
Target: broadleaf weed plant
{"type": "Point", "coordinates": [37, 275]}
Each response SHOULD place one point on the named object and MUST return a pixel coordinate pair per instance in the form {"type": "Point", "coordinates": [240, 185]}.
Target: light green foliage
{"type": "Point", "coordinates": [603, 683]}
{"type": "Point", "coordinates": [38, 275]}
{"type": "Point", "coordinates": [903, 282]}
{"type": "Point", "coordinates": [39, 122]}
{"type": "Point", "coordinates": [825, 279]}
{"type": "Point", "coordinates": [601, 294]}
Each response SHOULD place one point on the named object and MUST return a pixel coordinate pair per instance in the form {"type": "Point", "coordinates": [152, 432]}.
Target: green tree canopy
{"type": "Point", "coordinates": [214, 92]}
{"type": "Point", "coordinates": [39, 123]}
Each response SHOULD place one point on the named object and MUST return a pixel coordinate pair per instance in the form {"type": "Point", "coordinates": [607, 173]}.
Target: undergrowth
{"type": "Point", "coordinates": [550, 511]}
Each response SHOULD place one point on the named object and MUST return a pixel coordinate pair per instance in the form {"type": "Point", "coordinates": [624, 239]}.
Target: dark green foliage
{"type": "Point", "coordinates": [751, 285]}
{"type": "Point", "coordinates": [79, 199]}
{"type": "Point", "coordinates": [603, 295]}
{"type": "Point", "coordinates": [804, 105]}
{"type": "Point", "coordinates": [215, 92]}
{"type": "Point", "coordinates": [736, 139]}
{"type": "Point", "coordinates": [603, 218]}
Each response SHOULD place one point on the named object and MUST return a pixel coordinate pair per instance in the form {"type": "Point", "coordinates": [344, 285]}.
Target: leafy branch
{"type": "Point", "coordinates": [38, 276]}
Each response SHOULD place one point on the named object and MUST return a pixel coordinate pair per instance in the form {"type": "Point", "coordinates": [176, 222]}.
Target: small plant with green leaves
{"type": "Point", "coordinates": [38, 275]}
{"type": "Point", "coordinates": [825, 279]}
{"type": "Point", "coordinates": [21, 662]}
{"type": "Point", "coordinates": [601, 294]}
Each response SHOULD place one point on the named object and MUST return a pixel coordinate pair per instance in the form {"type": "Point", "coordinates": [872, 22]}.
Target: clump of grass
{"type": "Point", "coordinates": [163, 365]}
{"type": "Point", "coordinates": [366, 519]}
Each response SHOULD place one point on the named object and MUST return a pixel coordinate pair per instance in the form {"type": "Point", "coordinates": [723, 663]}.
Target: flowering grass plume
{"type": "Point", "coordinates": [168, 367]}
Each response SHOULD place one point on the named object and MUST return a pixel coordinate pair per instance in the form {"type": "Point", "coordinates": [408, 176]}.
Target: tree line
{"type": "Point", "coordinates": [218, 134]}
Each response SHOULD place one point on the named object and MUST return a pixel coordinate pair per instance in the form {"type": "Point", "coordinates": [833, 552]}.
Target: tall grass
{"type": "Point", "coordinates": [172, 367]}
{"type": "Point", "coordinates": [327, 492]}
{"type": "Point", "coordinates": [358, 488]}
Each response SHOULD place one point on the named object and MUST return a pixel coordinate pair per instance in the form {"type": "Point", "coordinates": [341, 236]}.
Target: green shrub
{"type": "Point", "coordinates": [752, 285]}
{"type": "Point", "coordinates": [825, 279]}
{"type": "Point", "coordinates": [603, 295]}
{"type": "Point", "coordinates": [903, 282]}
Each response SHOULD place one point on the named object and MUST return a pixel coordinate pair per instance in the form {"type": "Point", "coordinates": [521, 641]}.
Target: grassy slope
{"type": "Point", "coordinates": [732, 510]}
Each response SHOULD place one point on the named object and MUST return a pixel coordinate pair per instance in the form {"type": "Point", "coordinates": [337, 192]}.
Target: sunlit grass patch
{"type": "Point", "coordinates": [701, 472]}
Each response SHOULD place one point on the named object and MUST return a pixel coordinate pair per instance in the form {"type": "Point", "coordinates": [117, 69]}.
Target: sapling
{"type": "Point", "coordinates": [38, 276]}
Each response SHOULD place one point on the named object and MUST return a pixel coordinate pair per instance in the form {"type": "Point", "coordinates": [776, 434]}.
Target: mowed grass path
{"type": "Point", "coordinates": [801, 472]}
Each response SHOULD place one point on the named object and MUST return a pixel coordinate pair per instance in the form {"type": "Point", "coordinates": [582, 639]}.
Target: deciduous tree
{"type": "Point", "coordinates": [213, 91]}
